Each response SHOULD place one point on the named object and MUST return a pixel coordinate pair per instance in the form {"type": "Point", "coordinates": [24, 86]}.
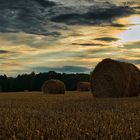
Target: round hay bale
{"type": "Point", "coordinates": [112, 78]}
{"type": "Point", "coordinates": [53, 87]}
{"type": "Point", "coordinates": [83, 86]}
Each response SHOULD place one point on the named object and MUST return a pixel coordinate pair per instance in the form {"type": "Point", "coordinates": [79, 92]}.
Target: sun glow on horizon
{"type": "Point", "coordinates": [131, 34]}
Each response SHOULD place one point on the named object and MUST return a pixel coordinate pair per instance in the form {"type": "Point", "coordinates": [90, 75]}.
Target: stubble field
{"type": "Point", "coordinates": [73, 116]}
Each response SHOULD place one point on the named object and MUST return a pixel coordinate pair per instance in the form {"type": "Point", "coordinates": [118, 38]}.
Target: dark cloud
{"type": "Point", "coordinates": [117, 25]}
{"type": "Point", "coordinates": [88, 44]}
{"type": "Point", "coordinates": [67, 69]}
{"type": "Point", "coordinates": [137, 7]}
{"type": "Point", "coordinates": [26, 3]}
{"type": "Point", "coordinates": [107, 39]}
{"type": "Point", "coordinates": [4, 52]}
{"type": "Point", "coordinates": [25, 16]}
{"type": "Point", "coordinates": [36, 16]}
{"type": "Point", "coordinates": [95, 15]}
{"type": "Point", "coordinates": [44, 3]}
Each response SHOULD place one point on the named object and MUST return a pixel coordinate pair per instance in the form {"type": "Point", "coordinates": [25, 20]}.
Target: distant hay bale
{"type": "Point", "coordinates": [112, 78]}
{"type": "Point", "coordinates": [83, 86]}
{"type": "Point", "coordinates": [26, 90]}
{"type": "Point", "coordinates": [53, 87]}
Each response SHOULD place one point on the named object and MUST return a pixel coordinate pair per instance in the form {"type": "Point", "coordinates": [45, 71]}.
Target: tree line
{"type": "Point", "coordinates": [34, 82]}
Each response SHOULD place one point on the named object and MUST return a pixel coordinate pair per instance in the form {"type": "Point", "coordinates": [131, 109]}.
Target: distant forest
{"type": "Point", "coordinates": [34, 82]}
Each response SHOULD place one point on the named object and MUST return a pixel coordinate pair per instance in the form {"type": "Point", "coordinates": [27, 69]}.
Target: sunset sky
{"type": "Point", "coordinates": [67, 35]}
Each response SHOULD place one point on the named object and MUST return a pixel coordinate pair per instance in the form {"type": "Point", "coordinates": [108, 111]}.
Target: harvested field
{"type": "Point", "coordinates": [73, 116]}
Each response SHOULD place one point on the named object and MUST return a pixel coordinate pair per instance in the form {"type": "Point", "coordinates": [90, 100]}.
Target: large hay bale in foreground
{"type": "Point", "coordinates": [53, 87]}
{"type": "Point", "coordinates": [112, 78]}
{"type": "Point", "coordinates": [83, 86]}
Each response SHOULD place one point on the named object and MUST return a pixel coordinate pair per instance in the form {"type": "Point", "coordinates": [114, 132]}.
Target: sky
{"type": "Point", "coordinates": [67, 35]}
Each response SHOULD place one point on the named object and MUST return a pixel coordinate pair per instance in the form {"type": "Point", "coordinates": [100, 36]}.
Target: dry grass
{"type": "Point", "coordinates": [74, 116]}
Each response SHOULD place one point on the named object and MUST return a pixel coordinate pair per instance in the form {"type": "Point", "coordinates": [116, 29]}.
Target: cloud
{"type": "Point", "coordinates": [107, 39]}
{"type": "Point", "coordinates": [23, 16]}
{"type": "Point", "coordinates": [133, 61]}
{"type": "Point", "coordinates": [36, 16]}
{"type": "Point", "coordinates": [94, 15]}
{"type": "Point", "coordinates": [44, 3]}
{"type": "Point", "coordinates": [88, 44]}
{"type": "Point", "coordinates": [23, 3]}
{"type": "Point", "coordinates": [132, 45]}
{"type": "Point", "coordinates": [29, 43]}
{"type": "Point", "coordinates": [4, 52]}
{"type": "Point", "coordinates": [65, 69]}
{"type": "Point", "coordinates": [118, 25]}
